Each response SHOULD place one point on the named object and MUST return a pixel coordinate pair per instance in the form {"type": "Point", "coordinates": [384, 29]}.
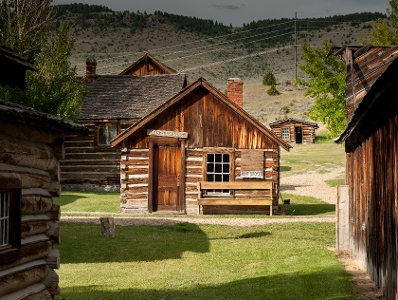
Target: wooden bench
{"type": "Point", "coordinates": [204, 199]}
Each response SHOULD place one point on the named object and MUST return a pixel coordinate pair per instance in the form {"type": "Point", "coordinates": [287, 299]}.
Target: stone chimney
{"type": "Point", "coordinates": [235, 91]}
{"type": "Point", "coordinates": [91, 69]}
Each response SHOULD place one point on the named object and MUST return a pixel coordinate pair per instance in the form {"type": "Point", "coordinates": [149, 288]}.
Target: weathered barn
{"type": "Point", "coordinates": [113, 103]}
{"type": "Point", "coordinates": [294, 130]}
{"type": "Point", "coordinates": [31, 144]}
{"type": "Point", "coordinates": [371, 145]}
{"type": "Point", "coordinates": [199, 149]}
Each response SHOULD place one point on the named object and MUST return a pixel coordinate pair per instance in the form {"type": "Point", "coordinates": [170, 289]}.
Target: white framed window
{"type": "Point", "coordinates": [106, 133]}
{"type": "Point", "coordinates": [285, 133]}
{"type": "Point", "coordinates": [218, 169]}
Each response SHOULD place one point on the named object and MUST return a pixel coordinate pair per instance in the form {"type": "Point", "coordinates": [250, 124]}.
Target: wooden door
{"type": "Point", "coordinates": [167, 176]}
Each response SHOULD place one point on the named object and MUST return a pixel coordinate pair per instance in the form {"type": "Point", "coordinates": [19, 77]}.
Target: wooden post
{"type": "Point", "coordinates": [107, 227]}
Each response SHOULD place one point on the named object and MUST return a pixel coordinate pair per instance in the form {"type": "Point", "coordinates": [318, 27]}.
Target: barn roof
{"type": "Point", "coordinates": [148, 59]}
{"type": "Point", "coordinates": [378, 102]}
{"type": "Point", "coordinates": [12, 55]}
{"type": "Point", "coordinates": [21, 114]}
{"type": "Point", "coordinates": [293, 120]}
{"type": "Point", "coordinates": [201, 82]}
{"type": "Point", "coordinates": [126, 97]}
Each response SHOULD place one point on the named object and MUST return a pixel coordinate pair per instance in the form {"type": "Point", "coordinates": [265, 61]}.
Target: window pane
{"type": "Point", "coordinates": [218, 177]}
{"type": "Point", "coordinates": [226, 158]}
{"type": "Point", "coordinates": [210, 177]}
{"type": "Point", "coordinates": [225, 168]}
{"type": "Point", "coordinates": [218, 157]}
{"type": "Point", "coordinates": [218, 168]}
{"type": "Point", "coordinates": [106, 134]}
{"type": "Point", "coordinates": [210, 168]}
{"type": "Point", "coordinates": [210, 157]}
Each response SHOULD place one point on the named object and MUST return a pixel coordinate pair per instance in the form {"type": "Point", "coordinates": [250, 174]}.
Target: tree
{"type": "Point", "coordinates": [272, 91]}
{"type": "Point", "coordinates": [327, 85]}
{"type": "Point", "coordinates": [53, 88]}
{"type": "Point", "coordinates": [269, 78]}
{"type": "Point", "coordinates": [24, 25]}
{"type": "Point", "coordinates": [386, 32]}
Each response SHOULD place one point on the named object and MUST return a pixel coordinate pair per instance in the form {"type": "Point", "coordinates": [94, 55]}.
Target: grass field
{"type": "Point", "coordinates": [189, 261]}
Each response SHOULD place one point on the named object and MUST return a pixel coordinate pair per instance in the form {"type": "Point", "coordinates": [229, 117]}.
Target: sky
{"type": "Point", "coordinates": [239, 12]}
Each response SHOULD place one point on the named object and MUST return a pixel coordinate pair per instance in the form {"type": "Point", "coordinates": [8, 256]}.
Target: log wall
{"type": "Point", "coordinates": [89, 167]}
{"type": "Point", "coordinates": [308, 132]}
{"type": "Point", "coordinates": [134, 170]}
{"type": "Point", "coordinates": [30, 163]}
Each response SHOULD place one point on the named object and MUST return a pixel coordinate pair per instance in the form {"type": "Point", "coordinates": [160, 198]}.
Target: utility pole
{"type": "Point", "coordinates": [295, 46]}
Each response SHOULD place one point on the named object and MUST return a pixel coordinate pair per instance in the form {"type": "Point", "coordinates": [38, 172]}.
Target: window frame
{"type": "Point", "coordinates": [215, 151]}
{"type": "Point", "coordinates": [285, 135]}
{"type": "Point", "coordinates": [10, 252]}
{"type": "Point", "coordinates": [108, 139]}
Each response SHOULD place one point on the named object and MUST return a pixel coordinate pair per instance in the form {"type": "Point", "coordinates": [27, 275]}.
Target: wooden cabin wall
{"type": "Point", "coordinates": [134, 180]}
{"type": "Point", "coordinates": [363, 72]}
{"type": "Point", "coordinates": [28, 158]}
{"type": "Point", "coordinates": [89, 167]}
{"type": "Point", "coordinates": [308, 132]}
{"type": "Point", "coordinates": [372, 174]}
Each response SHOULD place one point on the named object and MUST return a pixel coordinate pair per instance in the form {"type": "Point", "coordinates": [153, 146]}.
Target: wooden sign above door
{"type": "Point", "coordinates": [171, 134]}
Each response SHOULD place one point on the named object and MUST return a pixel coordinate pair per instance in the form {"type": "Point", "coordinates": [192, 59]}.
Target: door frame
{"type": "Point", "coordinates": [181, 207]}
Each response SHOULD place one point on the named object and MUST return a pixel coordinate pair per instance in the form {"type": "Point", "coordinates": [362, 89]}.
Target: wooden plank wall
{"type": "Point", "coordinates": [26, 157]}
{"type": "Point", "coordinates": [134, 180]}
{"type": "Point", "coordinates": [308, 132]}
{"type": "Point", "coordinates": [90, 167]}
{"type": "Point", "coordinates": [363, 72]}
{"type": "Point", "coordinates": [372, 174]}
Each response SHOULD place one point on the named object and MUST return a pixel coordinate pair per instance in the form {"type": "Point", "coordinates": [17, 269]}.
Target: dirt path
{"type": "Point", "coordinates": [312, 184]}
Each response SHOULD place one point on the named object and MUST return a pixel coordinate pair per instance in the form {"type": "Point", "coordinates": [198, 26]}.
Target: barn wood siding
{"type": "Point", "coordinates": [363, 72]}
{"type": "Point", "coordinates": [373, 179]}
{"type": "Point", "coordinates": [35, 165]}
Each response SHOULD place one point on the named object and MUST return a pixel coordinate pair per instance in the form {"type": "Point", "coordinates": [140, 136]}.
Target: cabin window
{"type": "Point", "coordinates": [10, 218]}
{"type": "Point", "coordinates": [106, 133]}
{"type": "Point", "coordinates": [218, 169]}
{"type": "Point", "coordinates": [285, 133]}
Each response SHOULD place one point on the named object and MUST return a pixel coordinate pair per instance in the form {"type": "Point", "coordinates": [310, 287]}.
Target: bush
{"type": "Point", "coordinates": [269, 78]}
{"type": "Point", "coordinates": [272, 91]}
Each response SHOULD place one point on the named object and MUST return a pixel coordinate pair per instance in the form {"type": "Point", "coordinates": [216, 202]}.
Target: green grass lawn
{"type": "Point", "coordinates": [189, 261]}
{"type": "Point", "coordinates": [320, 157]}
{"type": "Point", "coordinates": [88, 202]}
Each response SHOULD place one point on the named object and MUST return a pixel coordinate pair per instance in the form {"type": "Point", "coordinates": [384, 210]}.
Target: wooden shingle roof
{"type": "Point", "coordinates": [127, 97]}
{"type": "Point", "coordinates": [12, 55]}
{"type": "Point", "coordinates": [146, 63]}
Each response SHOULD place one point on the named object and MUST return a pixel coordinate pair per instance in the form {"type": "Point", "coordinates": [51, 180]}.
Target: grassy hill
{"type": "Point", "coordinates": [203, 48]}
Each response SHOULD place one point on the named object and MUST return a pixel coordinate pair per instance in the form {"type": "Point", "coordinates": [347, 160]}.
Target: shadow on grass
{"type": "Point", "coordinates": [277, 287]}
{"type": "Point", "coordinates": [68, 199]}
{"type": "Point", "coordinates": [285, 168]}
{"type": "Point", "coordinates": [83, 243]}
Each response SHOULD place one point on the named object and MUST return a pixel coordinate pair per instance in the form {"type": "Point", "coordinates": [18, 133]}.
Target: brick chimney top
{"type": "Point", "coordinates": [91, 69]}
{"type": "Point", "coordinates": [235, 90]}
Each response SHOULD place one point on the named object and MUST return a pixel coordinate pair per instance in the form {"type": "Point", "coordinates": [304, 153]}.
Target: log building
{"type": "Point", "coordinates": [197, 137]}
{"type": "Point", "coordinates": [113, 103]}
{"type": "Point", "coordinates": [371, 146]}
{"type": "Point", "coordinates": [31, 144]}
{"type": "Point", "coordinates": [295, 131]}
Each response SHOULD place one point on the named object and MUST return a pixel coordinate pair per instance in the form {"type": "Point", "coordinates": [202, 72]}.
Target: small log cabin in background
{"type": "Point", "coordinates": [371, 146]}
{"type": "Point", "coordinates": [199, 135]}
{"type": "Point", "coordinates": [295, 131]}
{"type": "Point", "coordinates": [113, 103]}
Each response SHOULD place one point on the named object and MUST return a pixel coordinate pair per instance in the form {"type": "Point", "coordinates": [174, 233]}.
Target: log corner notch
{"type": "Point", "coordinates": [108, 227]}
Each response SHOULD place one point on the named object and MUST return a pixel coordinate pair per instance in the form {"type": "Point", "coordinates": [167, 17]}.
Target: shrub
{"type": "Point", "coordinates": [272, 91]}
{"type": "Point", "coordinates": [269, 78]}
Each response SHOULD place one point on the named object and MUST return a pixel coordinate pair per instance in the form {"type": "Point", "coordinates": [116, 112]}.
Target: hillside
{"type": "Point", "coordinates": [203, 48]}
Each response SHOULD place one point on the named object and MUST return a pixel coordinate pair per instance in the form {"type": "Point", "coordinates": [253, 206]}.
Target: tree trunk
{"type": "Point", "coordinates": [108, 227]}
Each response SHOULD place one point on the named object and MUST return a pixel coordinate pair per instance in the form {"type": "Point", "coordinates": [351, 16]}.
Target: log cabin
{"type": "Point", "coordinates": [200, 152]}
{"type": "Point", "coordinates": [31, 144]}
{"type": "Point", "coordinates": [113, 103]}
{"type": "Point", "coordinates": [371, 144]}
{"type": "Point", "coordinates": [295, 131]}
